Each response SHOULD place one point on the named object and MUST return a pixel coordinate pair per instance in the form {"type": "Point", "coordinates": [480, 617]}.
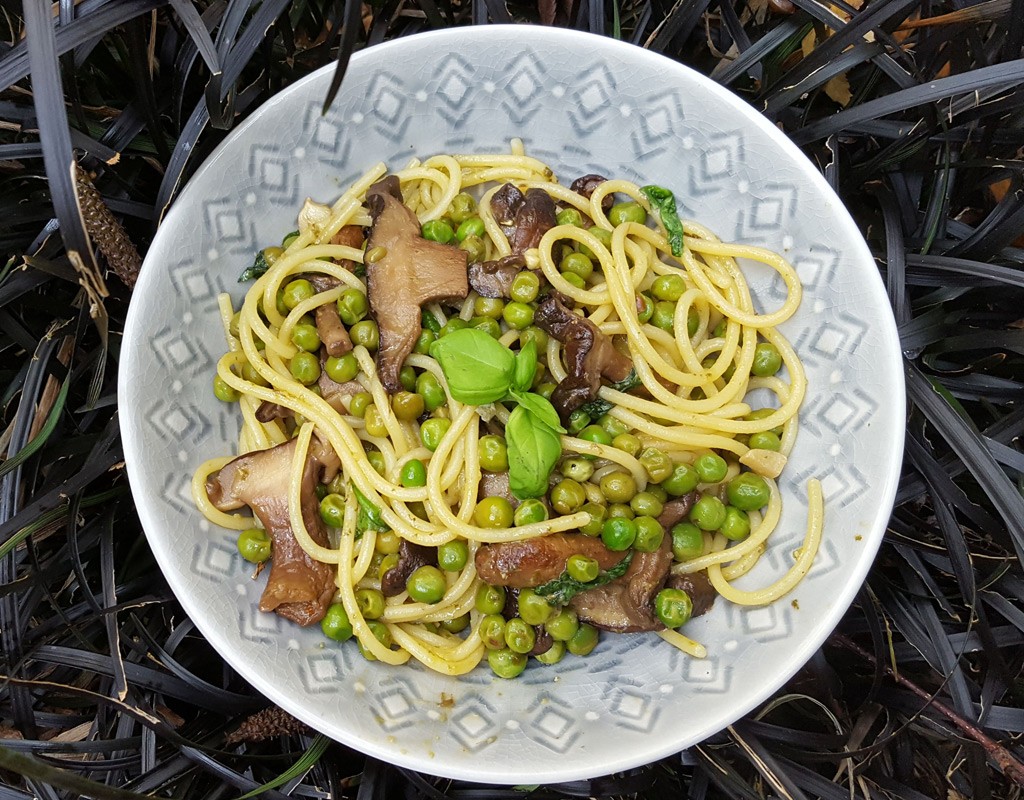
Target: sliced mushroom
{"type": "Point", "coordinates": [350, 236]}
{"type": "Point", "coordinates": [496, 484]}
{"type": "Point", "coordinates": [410, 558]}
{"type": "Point", "coordinates": [524, 218]}
{"type": "Point", "coordinates": [626, 605]}
{"type": "Point", "coordinates": [543, 641]}
{"type": "Point", "coordinates": [676, 510]}
{"type": "Point", "coordinates": [699, 587]}
{"type": "Point", "coordinates": [329, 327]}
{"type": "Point", "coordinates": [504, 204]}
{"type": "Point", "coordinates": [267, 411]}
{"type": "Point", "coordinates": [585, 186]}
{"type": "Point", "coordinates": [530, 563]}
{"type": "Point", "coordinates": [589, 356]}
{"type": "Point", "coordinates": [494, 278]}
{"type": "Point", "coordinates": [337, 394]}
{"type": "Point", "coordinates": [299, 588]}
{"type": "Point", "coordinates": [410, 272]}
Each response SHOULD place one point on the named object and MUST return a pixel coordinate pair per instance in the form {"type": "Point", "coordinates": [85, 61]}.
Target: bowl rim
{"type": "Point", "coordinates": [674, 73]}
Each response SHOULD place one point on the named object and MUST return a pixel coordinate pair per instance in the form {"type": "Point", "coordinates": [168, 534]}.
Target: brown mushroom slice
{"type": "Point", "coordinates": [268, 411]}
{"type": "Point", "coordinates": [676, 510]}
{"type": "Point", "coordinates": [494, 278]}
{"type": "Point", "coordinates": [299, 588]}
{"type": "Point", "coordinates": [626, 605]}
{"type": "Point", "coordinates": [504, 204]}
{"type": "Point", "coordinates": [699, 587]}
{"type": "Point", "coordinates": [329, 327]}
{"type": "Point", "coordinates": [412, 271]}
{"type": "Point", "coordinates": [410, 558]}
{"type": "Point", "coordinates": [589, 356]}
{"type": "Point", "coordinates": [337, 394]}
{"type": "Point", "coordinates": [585, 186]}
{"type": "Point", "coordinates": [523, 565]}
{"type": "Point", "coordinates": [350, 236]}
{"type": "Point", "coordinates": [496, 484]}
{"type": "Point", "coordinates": [534, 218]}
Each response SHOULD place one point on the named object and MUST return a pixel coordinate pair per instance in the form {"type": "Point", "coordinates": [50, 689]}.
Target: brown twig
{"type": "Point", "coordinates": [107, 232]}
{"type": "Point", "coordinates": [1007, 762]}
{"type": "Point", "coordinates": [266, 724]}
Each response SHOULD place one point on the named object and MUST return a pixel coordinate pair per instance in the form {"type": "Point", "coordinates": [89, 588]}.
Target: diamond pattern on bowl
{"type": "Point", "coordinates": [474, 723]}
{"type": "Point", "coordinates": [770, 210]}
{"type": "Point", "coordinates": [180, 354]}
{"type": "Point", "coordinates": [197, 283]}
{"type": "Point", "coordinates": [396, 704]}
{"type": "Point", "coordinates": [259, 626]}
{"type": "Point", "coordinates": [273, 168]}
{"type": "Point", "coordinates": [707, 675]}
{"type": "Point", "coordinates": [659, 124]}
{"type": "Point", "coordinates": [552, 723]}
{"type": "Point", "coordinates": [632, 706]}
{"type": "Point", "coordinates": [228, 226]}
{"type": "Point", "coordinates": [215, 558]}
{"type": "Point", "coordinates": [592, 97]}
{"type": "Point", "coordinates": [327, 135]}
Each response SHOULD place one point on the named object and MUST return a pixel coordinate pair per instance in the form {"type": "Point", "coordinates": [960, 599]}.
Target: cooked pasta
{"type": "Point", "coordinates": [581, 419]}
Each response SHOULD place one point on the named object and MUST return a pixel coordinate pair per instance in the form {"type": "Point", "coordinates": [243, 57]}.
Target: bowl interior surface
{"type": "Point", "coordinates": [583, 104]}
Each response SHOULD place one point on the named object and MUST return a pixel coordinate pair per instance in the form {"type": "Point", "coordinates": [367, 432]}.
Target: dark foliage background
{"type": "Point", "coordinates": [912, 108]}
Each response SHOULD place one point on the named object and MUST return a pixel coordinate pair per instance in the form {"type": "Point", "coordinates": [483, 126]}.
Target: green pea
{"type": "Point", "coordinates": [359, 403]}
{"type": "Point", "coordinates": [567, 496]}
{"type": "Point", "coordinates": [492, 631]}
{"type": "Point", "coordinates": [388, 563]}
{"type": "Point", "coordinates": [767, 360]}
{"type": "Point", "coordinates": [282, 309]}
{"type": "Point", "coordinates": [493, 453]}
{"type": "Point", "coordinates": [462, 208]}
{"type": "Point", "coordinates": [489, 326]}
{"type": "Point", "coordinates": [683, 480]}
{"type": "Point", "coordinates": [407, 377]}
{"type": "Point", "coordinates": [645, 503]}
{"type": "Point", "coordinates": [426, 585]}
{"type": "Point", "coordinates": [506, 663]}
{"type": "Point", "coordinates": [493, 512]}
{"type": "Point", "coordinates": [407, 405]}
{"type": "Point", "coordinates": [553, 654]}
{"type": "Point", "coordinates": [533, 608]}
{"type": "Point", "coordinates": [352, 306]}
{"type": "Point", "coordinates": [657, 463]}
{"type": "Point", "coordinates": [545, 390]}
{"type": "Point", "coordinates": [254, 545]}
{"type": "Point", "coordinates": [250, 374]}
{"type": "Point", "coordinates": [597, 514]}
{"type": "Point", "coordinates": [736, 526]}
{"type": "Point", "coordinates": [336, 624]}
{"type": "Point", "coordinates": [370, 602]}
{"type": "Point", "coordinates": [366, 334]}
{"type": "Point", "coordinates": [765, 440]}
{"type": "Point", "coordinates": [320, 491]}
{"type": "Point", "coordinates": [429, 388]}
{"type": "Point", "coordinates": [375, 425]}
{"type": "Point", "coordinates": [618, 487]}
{"type": "Point", "coordinates": [673, 607]}
{"type": "Point", "coordinates": [295, 292]}
{"type": "Point", "coordinates": [525, 287]}
{"type": "Point", "coordinates": [708, 513]}
{"type": "Point", "coordinates": [659, 493]}
{"type": "Point", "coordinates": [649, 534]}
{"type": "Point", "coordinates": [332, 510]}
{"type": "Point", "coordinates": [748, 491]}
{"type": "Point", "coordinates": [427, 337]}
{"type": "Point", "coordinates": [433, 430]}
{"type": "Point", "coordinates": [518, 315]}
{"type": "Point", "coordinates": [286, 242]}
{"type": "Point", "coordinates": [711, 468]}
{"type": "Point", "coordinates": [534, 334]}
{"type": "Point", "coordinates": [578, 468]}
{"type": "Point", "coordinates": [627, 443]}
{"type": "Point", "coordinates": [764, 413]}
{"type": "Point", "coordinates": [563, 625]}
{"type": "Point", "coordinates": [272, 253]}
{"type": "Point", "coordinates": [452, 556]}
{"type": "Point", "coordinates": [222, 391]}
{"type": "Point", "coordinates": [668, 287]}
{"type": "Point", "coordinates": [578, 420]}
{"type": "Point", "coordinates": [376, 459]}
{"type": "Point", "coordinates": [618, 533]}
{"type": "Point", "coordinates": [519, 635]}
{"type": "Point", "coordinates": [474, 248]}
{"type": "Point", "coordinates": [595, 434]}
{"type": "Point", "coordinates": [305, 367]}
{"type": "Point", "coordinates": [474, 226]}
{"type": "Point", "coordinates": [664, 315]}
{"type": "Point", "coordinates": [488, 307]}
{"type": "Point", "coordinates": [644, 308]}
{"type": "Point", "coordinates": [452, 325]}
{"type": "Point", "coordinates": [582, 568]}
{"type": "Point", "coordinates": [630, 211]}
{"type": "Point", "coordinates": [530, 511]}
{"type": "Point", "coordinates": [602, 235]}
{"type": "Point", "coordinates": [381, 634]}
{"type": "Point", "coordinates": [687, 541]}
{"type": "Point", "coordinates": [612, 426]}
{"type": "Point", "coordinates": [574, 280]}
{"type": "Point", "coordinates": [569, 216]}
{"type": "Point", "coordinates": [305, 337]}
{"type": "Point", "coordinates": [577, 264]}
{"type": "Point", "coordinates": [692, 321]}
{"type": "Point", "coordinates": [413, 474]}
{"type": "Point", "coordinates": [584, 640]}
{"type": "Point", "coordinates": [490, 599]}
{"type": "Point", "coordinates": [387, 542]}
{"type": "Point", "coordinates": [456, 625]}
{"type": "Point", "coordinates": [438, 230]}
{"type": "Point", "coordinates": [341, 368]}
{"type": "Point", "coordinates": [719, 330]}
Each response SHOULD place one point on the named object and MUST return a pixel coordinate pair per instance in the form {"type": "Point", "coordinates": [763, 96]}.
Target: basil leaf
{"type": "Point", "coordinates": [541, 409]}
{"type": "Point", "coordinates": [429, 321]}
{"type": "Point", "coordinates": [664, 202]}
{"type": "Point", "coordinates": [369, 514]}
{"type": "Point", "coordinates": [258, 267]}
{"type": "Point", "coordinates": [477, 367]}
{"type": "Point", "coordinates": [526, 366]}
{"type": "Point", "coordinates": [564, 588]}
{"type": "Point", "coordinates": [533, 450]}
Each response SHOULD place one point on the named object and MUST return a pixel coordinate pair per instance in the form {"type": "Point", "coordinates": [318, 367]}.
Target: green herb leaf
{"type": "Point", "coordinates": [598, 407]}
{"type": "Point", "coordinates": [564, 588]}
{"type": "Point", "coordinates": [541, 409]}
{"type": "Point", "coordinates": [369, 514]}
{"type": "Point", "coordinates": [429, 321]}
{"type": "Point", "coordinates": [477, 367]}
{"type": "Point", "coordinates": [526, 366]}
{"type": "Point", "coordinates": [259, 266]}
{"type": "Point", "coordinates": [664, 202]}
{"type": "Point", "coordinates": [533, 450]}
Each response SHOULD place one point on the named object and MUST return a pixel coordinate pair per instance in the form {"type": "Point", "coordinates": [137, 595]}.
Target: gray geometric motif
{"type": "Point", "coordinates": [214, 558]}
{"type": "Point", "coordinates": [768, 213]}
{"type": "Point", "coordinates": [841, 334]}
{"type": "Point", "coordinates": [718, 165]}
{"type": "Point", "coordinates": [260, 626]}
{"type": "Point", "coordinates": [524, 88]}
{"type": "Point", "coordinates": [632, 707]}
{"type": "Point", "coordinates": [272, 170]}
{"type": "Point", "coordinates": [842, 412]}
{"type": "Point", "coordinates": [814, 268]}
{"type": "Point", "coordinates": [326, 135]}
{"type": "Point", "coordinates": [456, 89]}
{"type": "Point", "coordinates": [179, 421]}
{"type": "Point", "coordinates": [660, 123]}
{"type": "Point", "coordinates": [179, 354]}
{"type": "Point", "coordinates": [840, 485]}
{"type": "Point", "coordinates": [195, 282]}
{"type": "Point", "coordinates": [395, 703]}
{"type": "Point", "coordinates": [592, 98]}
{"type": "Point", "coordinates": [707, 674]}
{"type": "Point", "coordinates": [390, 119]}
{"type": "Point", "coordinates": [552, 723]}
{"type": "Point", "coordinates": [227, 227]}
{"type": "Point", "coordinates": [473, 723]}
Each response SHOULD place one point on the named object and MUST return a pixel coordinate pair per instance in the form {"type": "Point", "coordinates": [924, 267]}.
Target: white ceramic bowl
{"type": "Point", "coordinates": [584, 104]}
